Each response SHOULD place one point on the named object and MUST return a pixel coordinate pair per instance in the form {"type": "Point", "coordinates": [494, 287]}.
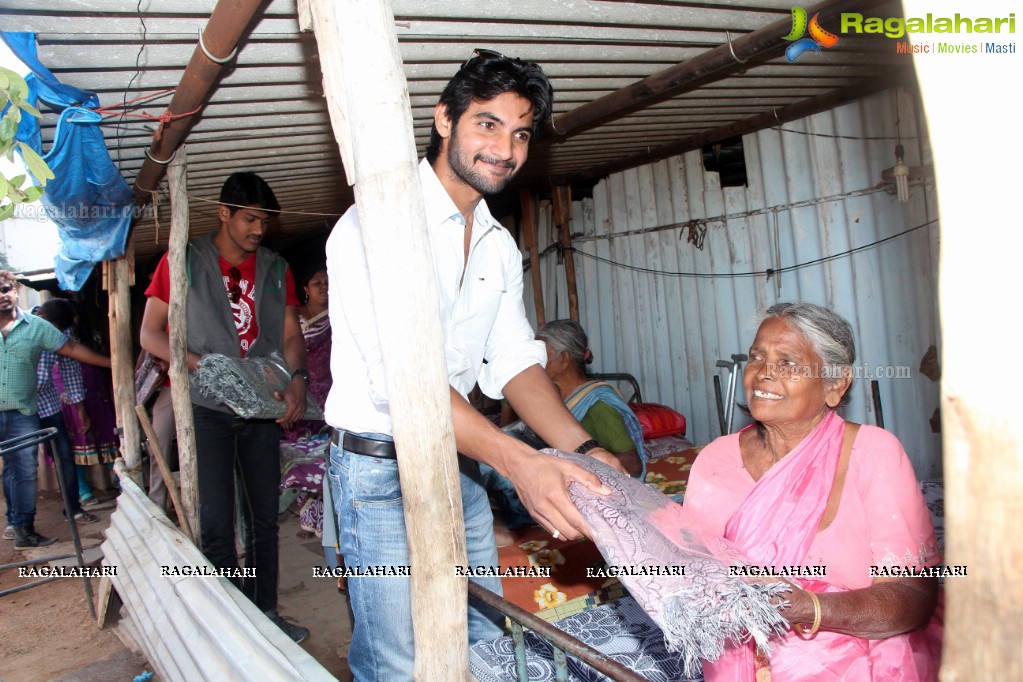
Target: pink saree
{"type": "Point", "coordinates": [776, 525]}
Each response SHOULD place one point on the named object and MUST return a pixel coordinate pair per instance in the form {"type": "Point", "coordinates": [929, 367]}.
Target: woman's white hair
{"type": "Point", "coordinates": [828, 333]}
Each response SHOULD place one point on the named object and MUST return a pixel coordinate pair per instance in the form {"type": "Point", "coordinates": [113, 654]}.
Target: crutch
{"type": "Point", "coordinates": [727, 411]}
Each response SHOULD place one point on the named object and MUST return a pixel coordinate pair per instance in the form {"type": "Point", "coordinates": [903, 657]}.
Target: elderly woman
{"type": "Point", "coordinates": [598, 406]}
{"type": "Point", "coordinates": [803, 487]}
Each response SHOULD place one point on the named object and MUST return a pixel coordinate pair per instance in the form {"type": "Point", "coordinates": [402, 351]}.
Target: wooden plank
{"type": "Point", "coordinates": [108, 603]}
{"type": "Point", "coordinates": [369, 105]}
{"type": "Point", "coordinates": [529, 239]}
{"type": "Point", "coordinates": [177, 317]}
{"type": "Point", "coordinates": [122, 360]}
{"type": "Point", "coordinates": [161, 462]}
{"type": "Point", "coordinates": [562, 214]}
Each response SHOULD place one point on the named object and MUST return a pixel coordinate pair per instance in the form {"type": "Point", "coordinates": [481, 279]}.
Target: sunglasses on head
{"type": "Point", "coordinates": [6, 288]}
{"type": "Point", "coordinates": [485, 55]}
{"type": "Point", "coordinates": [234, 292]}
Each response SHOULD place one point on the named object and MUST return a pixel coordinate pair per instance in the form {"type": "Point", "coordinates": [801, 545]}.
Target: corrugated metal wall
{"type": "Point", "coordinates": [811, 194]}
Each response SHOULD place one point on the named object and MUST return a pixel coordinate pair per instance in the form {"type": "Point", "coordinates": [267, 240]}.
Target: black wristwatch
{"type": "Point", "coordinates": [301, 372]}
{"type": "Point", "coordinates": [586, 447]}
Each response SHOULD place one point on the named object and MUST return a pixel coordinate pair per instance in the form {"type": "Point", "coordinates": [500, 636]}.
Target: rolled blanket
{"type": "Point", "coordinates": [247, 385]}
{"type": "Point", "coordinates": [677, 572]}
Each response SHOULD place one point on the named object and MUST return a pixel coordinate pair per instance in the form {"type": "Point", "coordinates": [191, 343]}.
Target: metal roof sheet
{"type": "Point", "coordinates": [268, 112]}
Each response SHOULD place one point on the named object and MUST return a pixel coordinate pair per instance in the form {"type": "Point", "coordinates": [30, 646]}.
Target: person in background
{"type": "Point", "coordinates": [164, 429]}
{"type": "Point", "coordinates": [96, 441]}
{"type": "Point", "coordinates": [241, 303]}
{"type": "Point", "coordinates": [315, 322]}
{"type": "Point", "coordinates": [56, 369]}
{"type": "Point", "coordinates": [23, 338]}
{"type": "Point", "coordinates": [803, 487]}
{"type": "Point", "coordinates": [598, 405]}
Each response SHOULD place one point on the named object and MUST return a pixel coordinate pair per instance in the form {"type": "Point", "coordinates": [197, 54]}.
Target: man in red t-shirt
{"type": "Point", "coordinates": [241, 301]}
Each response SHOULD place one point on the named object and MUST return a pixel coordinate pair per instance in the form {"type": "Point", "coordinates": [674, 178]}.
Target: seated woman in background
{"type": "Point", "coordinates": [802, 487]}
{"type": "Point", "coordinates": [598, 406]}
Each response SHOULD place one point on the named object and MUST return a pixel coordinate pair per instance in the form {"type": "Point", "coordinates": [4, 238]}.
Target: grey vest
{"type": "Point", "coordinates": [211, 327]}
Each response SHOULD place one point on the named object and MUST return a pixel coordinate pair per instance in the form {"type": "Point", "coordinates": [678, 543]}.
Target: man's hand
{"type": "Point", "coordinates": [542, 481]}
{"type": "Point", "coordinates": [295, 398]}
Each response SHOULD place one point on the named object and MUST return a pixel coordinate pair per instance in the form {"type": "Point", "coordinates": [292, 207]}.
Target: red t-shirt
{"type": "Point", "coordinates": [244, 308]}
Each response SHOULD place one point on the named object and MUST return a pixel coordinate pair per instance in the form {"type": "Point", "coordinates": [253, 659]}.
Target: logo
{"type": "Point", "coordinates": [819, 37]}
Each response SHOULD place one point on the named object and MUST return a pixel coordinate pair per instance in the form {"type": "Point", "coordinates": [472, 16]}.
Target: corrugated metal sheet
{"type": "Point", "coordinates": [670, 330]}
{"type": "Point", "coordinates": [268, 113]}
{"type": "Point", "coordinates": [189, 627]}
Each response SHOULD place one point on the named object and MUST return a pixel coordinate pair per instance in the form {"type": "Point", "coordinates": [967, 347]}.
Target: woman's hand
{"type": "Point", "coordinates": [608, 458]}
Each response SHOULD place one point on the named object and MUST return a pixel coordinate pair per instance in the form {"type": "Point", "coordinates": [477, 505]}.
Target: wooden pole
{"type": "Point", "coordinates": [368, 101]}
{"type": "Point", "coordinates": [981, 428]}
{"type": "Point", "coordinates": [177, 315]}
{"type": "Point", "coordinates": [122, 360]}
{"type": "Point", "coordinates": [529, 239]}
{"type": "Point", "coordinates": [161, 462]}
{"type": "Point", "coordinates": [562, 216]}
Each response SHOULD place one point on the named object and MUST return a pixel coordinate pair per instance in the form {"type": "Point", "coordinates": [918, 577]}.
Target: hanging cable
{"type": "Point", "coordinates": [758, 273]}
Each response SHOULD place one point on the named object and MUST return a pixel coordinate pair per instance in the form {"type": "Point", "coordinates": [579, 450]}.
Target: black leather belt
{"type": "Point", "coordinates": [384, 449]}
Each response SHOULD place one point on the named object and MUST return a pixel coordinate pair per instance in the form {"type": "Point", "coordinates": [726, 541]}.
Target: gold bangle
{"type": "Point", "coordinates": [800, 628]}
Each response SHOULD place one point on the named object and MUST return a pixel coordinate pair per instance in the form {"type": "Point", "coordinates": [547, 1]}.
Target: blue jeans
{"type": "Point", "coordinates": [60, 447]}
{"type": "Point", "coordinates": [371, 523]}
{"type": "Point", "coordinates": [506, 498]}
{"type": "Point", "coordinates": [225, 444]}
{"type": "Point", "coordinates": [20, 468]}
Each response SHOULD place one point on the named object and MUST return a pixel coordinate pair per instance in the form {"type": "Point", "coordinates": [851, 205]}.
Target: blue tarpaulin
{"type": "Point", "coordinates": [88, 199]}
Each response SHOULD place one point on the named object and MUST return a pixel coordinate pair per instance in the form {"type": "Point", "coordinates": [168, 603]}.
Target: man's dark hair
{"type": "Point", "coordinates": [8, 276]}
{"type": "Point", "coordinates": [486, 76]}
{"type": "Point", "coordinates": [247, 189]}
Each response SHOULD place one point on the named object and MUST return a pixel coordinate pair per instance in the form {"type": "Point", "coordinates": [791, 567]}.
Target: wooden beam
{"type": "Point", "coordinates": [177, 317]}
{"type": "Point", "coordinates": [758, 46]}
{"type": "Point", "coordinates": [529, 240]}
{"type": "Point", "coordinates": [225, 29]}
{"type": "Point", "coordinates": [792, 112]}
{"type": "Point", "coordinates": [562, 216]}
{"type": "Point", "coordinates": [122, 359]}
{"type": "Point", "coordinates": [368, 101]}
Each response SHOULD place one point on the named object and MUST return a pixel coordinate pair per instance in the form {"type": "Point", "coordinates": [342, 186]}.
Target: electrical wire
{"type": "Point", "coordinates": [138, 72]}
{"type": "Point", "coordinates": [280, 211]}
{"type": "Point", "coordinates": [836, 137]}
{"type": "Point", "coordinates": [758, 273]}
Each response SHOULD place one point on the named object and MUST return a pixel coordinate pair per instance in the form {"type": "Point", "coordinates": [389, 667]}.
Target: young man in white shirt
{"type": "Point", "coordinates": [486, 118]}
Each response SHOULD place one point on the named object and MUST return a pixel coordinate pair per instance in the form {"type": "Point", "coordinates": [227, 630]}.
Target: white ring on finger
{"type": "Point", "coordinates": [556, 534]}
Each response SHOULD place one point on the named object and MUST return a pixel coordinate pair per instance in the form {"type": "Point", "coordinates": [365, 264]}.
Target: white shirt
{"type": "Point", "coordinates": [484, 318]}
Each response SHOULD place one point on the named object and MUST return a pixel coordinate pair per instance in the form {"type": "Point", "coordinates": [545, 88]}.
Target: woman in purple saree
{"type": "Point", "coordinates": [801, 490]}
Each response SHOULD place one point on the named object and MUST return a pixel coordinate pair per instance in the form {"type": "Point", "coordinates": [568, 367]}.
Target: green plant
{"type": "Point", "coordinates": [13, 91]}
